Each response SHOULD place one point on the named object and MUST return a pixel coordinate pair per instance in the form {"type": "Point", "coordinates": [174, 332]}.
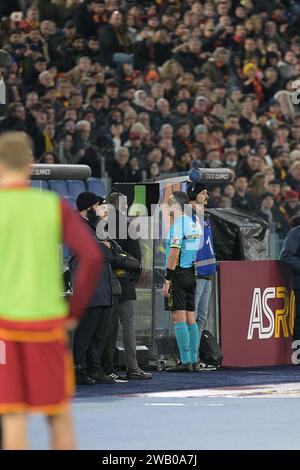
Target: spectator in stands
{"type": "Point", "coordinates": [242, 199]}
{"type": "Point", "coordinates": [162, 115]}
{"type": "Point", "coordinates": [80, 71]}
{"type": "Point", "coordinates": [49, 158]}
{"type": "Point", "coordinates": [87, 18]}
{"type": "Point", "coordinates": [293, 177]}
{"type": "Point", "coordinates": [167, 165]}
{"type": "Point", "coordinates": [291, 205]}
{"type": "Point", "coordinates": [118, 168]}
{"type": "Point", "coordinates": [257, 186]}
{"type": "Point", "coordinates": [200, 64]}
{"type": "Point", "coordinates": [274, 187]}
{"type": "Point", "coordinates": [86, 152]}
{"type": "Point", "coordinates": [64, 149]}
{"type": "Point", "coordinates": [274, 216]}
{"type": "Point", "coordinates": [153, 47]}
{"type": "Point", "coordinates": [216, 69]}
{"type": "Point", "coordinates": [134, 172]}
{"type": "Point", "coordinates": [188, 55]}
{"type": "Point", "coordinates": [116, 43]}
{"type": "Point", "coordinates": [15, 118]}
{"type": "Point", "coordinates": [249, 166]}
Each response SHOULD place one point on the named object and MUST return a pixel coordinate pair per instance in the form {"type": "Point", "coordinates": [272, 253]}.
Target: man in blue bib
{"type": "Point", "coordinates": [205, 263]}
{"type": "Point", "coordinates": [179, 287]}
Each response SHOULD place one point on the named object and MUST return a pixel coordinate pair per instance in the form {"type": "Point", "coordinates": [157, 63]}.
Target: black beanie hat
{"type": "Point", "coordinates": [193, 189]}
{"type": "Point", "coordinates": [86, 200]}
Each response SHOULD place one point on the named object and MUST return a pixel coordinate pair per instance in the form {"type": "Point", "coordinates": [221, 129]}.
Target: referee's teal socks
{"type": "Point", "coordinates": [183, 341]}
{"type": "Point", "coordinates": [194, 342]}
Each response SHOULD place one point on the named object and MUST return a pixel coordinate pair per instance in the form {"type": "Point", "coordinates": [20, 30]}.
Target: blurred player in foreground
{"type": "Point", "coordinates": [37, 375]}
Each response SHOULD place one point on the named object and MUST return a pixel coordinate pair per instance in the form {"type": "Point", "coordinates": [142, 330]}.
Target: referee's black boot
{"type": "Point", "coordinates": [180, 368]}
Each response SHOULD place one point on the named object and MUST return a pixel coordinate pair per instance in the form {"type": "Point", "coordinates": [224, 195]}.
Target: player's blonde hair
{"type": "Point", "coordinates": [15, 150]}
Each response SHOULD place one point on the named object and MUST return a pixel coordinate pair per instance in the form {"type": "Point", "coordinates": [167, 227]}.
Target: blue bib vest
{"type": "Point", "coordinates": [205, 264]}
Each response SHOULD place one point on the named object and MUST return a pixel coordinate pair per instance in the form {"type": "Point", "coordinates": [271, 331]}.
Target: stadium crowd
{"type": "Point", "coordinates": [156, 87]}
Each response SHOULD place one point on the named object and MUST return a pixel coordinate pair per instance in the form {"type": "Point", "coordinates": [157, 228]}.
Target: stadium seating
{"type": "Point", "coordinates": [59, 186]}
{"type": "Point", "coordinates": [71, 201]}
{"type": "Point", "coordinates": [97, 186]}
{"type": "Point", "coordinates": [70, 189]}
{"type": "Point", "coordinates": [75, 187]}
{"type": "Point", "coordinates": [42, 185]}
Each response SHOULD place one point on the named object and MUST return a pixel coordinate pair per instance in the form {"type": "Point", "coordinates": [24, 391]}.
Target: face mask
{"type": "Point", "coordinates": [102, 211]}
{"type": "Point", "coordinates": [98, 212]}
{"type": "Point", "coordinates": [93, 217]}
{"type": "Point", "coordinates": [215, 164]}
{"type": "Point", "coordinates": [231, 163]}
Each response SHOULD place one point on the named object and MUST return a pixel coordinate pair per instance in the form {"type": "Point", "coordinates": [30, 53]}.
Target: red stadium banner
{"type": "Point", "coordinates": [256, 313]}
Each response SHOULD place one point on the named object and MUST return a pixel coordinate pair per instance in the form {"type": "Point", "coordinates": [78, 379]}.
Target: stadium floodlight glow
{"type": "Point", "coordinates": [59, 172]}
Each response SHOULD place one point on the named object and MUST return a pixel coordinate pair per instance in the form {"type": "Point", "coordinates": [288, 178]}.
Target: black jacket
{"type": "Point", "coordinates": [91, 159]}
{"type": "Point", "coordinates": [247, 202]}
{"type": "Point", "coordinates": [133, 248]}
{"type": "Point", "coordinates": [103, 295]}
{"type": "Point", "coordinates": [110, 43]}
{"type": "Point", "coordinates": [188, 61]}
{"type": "Point", "coordinates": [85, 23]}
{"type": "Point", "coordinates": [146, 51]}
{"type": "Point", "coordinates": [290, 254]}
{"type": "Point", "coordinates": [117, 173]}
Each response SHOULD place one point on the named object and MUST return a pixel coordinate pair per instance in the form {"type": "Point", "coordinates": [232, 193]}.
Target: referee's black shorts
{"type": "Point", "coordinates": [182, 291]}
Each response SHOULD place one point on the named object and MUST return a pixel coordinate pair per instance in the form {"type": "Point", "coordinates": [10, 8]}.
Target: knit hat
{"type": "Point", "coordinates": [193, 189]}
{"type": "Point", "coordinates": [265, 195]}
{"type": "Point", "coordinates": [248, 67]}
{"type": "Point", "coordinates": [87, 199]}
{"type": "Point", "coordinates": [200, 129]}
{"type": "Point", "coordinates": [241, 143]}
{"type": "Point", "coordinates": [152, 75]}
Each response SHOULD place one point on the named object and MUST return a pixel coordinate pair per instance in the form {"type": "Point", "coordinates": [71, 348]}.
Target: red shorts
{"type": "Point", "coordinates": [36, 372]}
